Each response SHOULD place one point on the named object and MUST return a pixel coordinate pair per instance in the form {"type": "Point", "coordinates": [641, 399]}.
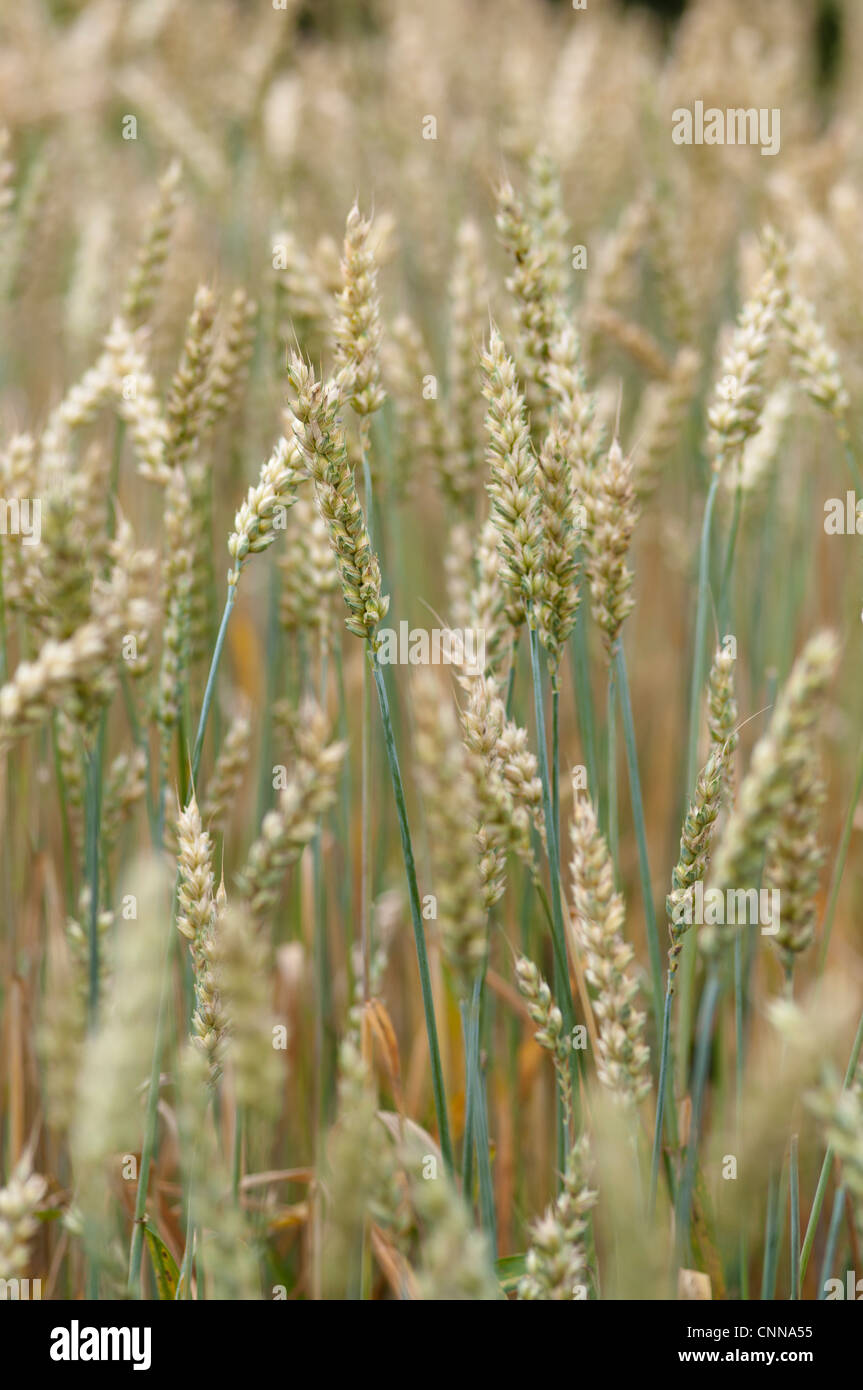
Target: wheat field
{"type": "Point", "coordinates": [430, 650]}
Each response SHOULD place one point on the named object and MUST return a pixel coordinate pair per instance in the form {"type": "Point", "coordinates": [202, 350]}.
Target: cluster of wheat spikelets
{"type": "Point", "coordinates": [287, 929]}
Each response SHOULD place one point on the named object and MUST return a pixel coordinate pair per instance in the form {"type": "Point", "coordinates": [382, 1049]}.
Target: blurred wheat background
{"type": "Point", "coordinates": [304, 308]}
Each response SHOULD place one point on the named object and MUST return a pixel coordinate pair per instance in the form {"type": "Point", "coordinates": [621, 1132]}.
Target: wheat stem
{"type": "Point", "coordinates": [4, 654]}
{"type": "Point", "coordinates": [839, 866]}
{"type": "Point", "coordinates": [611, 828]}
{"type": "Point", "coordinates": [739, 1011]}
{"type": "Point", "coordinates": [663, 1085]}
{"type": "Point", "coordinates": [707, 1012]}
{"type": "Point", "coordinates": [211, 681]}
{"type": "Point", "coordinates": [832, 1238]}
{"type": "Point", "coordinates": [68, 873]}
{"type": "Point", "coordinates": [555, 756]}
{"type": "Point", "coordinates": [818, 1200]}
{"type": "Point", "coordinates": [794, 1198]}
{"type": "Point", "coordinates": [584, 697]}
{"type": "Point", "coordinates": [561, 967]}
{"type": "Point", "coordinates": [150, 1119]}
{"type": "Point", "coordinates": [729, 560]}
{"type": "Point", "coordinates": [687, 964]}
{"type": "Point", "coordinates": [640, 830]}
{"type": "Point", "coordinates": [476, 1122]}
{"type": "Point", "coordinates": [93, 775]}
{"type": "Point", "coordinates": [416, 913]}
{"type": "Point", "coordinates": [366, 769]}
{"type": "Point", "coordinates": [771, 1238]}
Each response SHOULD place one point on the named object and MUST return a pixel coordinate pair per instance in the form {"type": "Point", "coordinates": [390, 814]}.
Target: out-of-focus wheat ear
{"type": "Point", "coordinates": [227, 776]}
{"type": "Point", "coordinates": [256, 523]}
{"type": "Point", "coordinates": [660, 423]}
{"type": "Point", "coordinates": [613, 279]}
{"type": "Point", "coordinates": [146, 275]}
{"type": "Point", "coordinates": [32, 202]}
{"type": "Point", "coordinates": [64, 671]}
{"type": "Point", "coordinates": [7, 175]}
{"type": "Point", "coordinates": [839, 1107]}
{"type": "Point", "coordinates": [19, 473]}
{"type": "Point", "coordinates": [138, 402]}
{"type": "Point", "coordinates": [630, 337]}
{"type": "Point", "coordinates": [735, 414]}
{"type": "Point", "coordinates": [239, 963]}
{"type": "Point", "coordinates": [230, 362]}
{"type": "Point", "coordinates": [67, 735]}
{"type": "Point", "coordinates": [90, 288]}
{"type": "Point", "coordinates": [545, 209]}
{"type": "Point", "coordinates": [308, 794]}
{"type": "Point", "coordinates": [310, 575]}
{"type": "Point", "coordinates": [469, 296]}
{"type": "Point", "coordinates": [357, 328]}
{"type": "Point", "coordinates": [176, 586]}
{"type": "Point", "coordinates": [455, 1258]}
{"type": "Point", "coordinates": [303, 302]}
{"type": "Point", "coordinates": [78, 408]}
{"type": "Point", "coordinates": [423, 424]}
{"type": "Point", "coordinates": [556, 1266]}
{"type": "Point", "coordinates": [361, 1175]}
{"type": "Point", "coordinates": [459, 571]}
{"type": "Point", "coordinates": [762, 451]}
{"type": "Point", "coordinates": [620, 1213]}
{"type": "Point", "coordinates": [188, 397]}
{"type": "Point", "coordinates": [452, 817]}
{"type": "Point", "coordinates": [777, 760]}
{"type": "Point", "coordinates": [610, 513]}
{"type": "Point", "coordinates": [20, 1201]}
{"type": "Point", "coordinates": [793, 863]}
{"type": "Point", "coordinates": [814, 361]}
{"type": "Point", "coordinates": [223, 1240]}
{"type": "Point", "coordinates": [125, 786]}
{"type": "Point", "coordinates": [118, 1053]}
{"type": "Point", "coordinates": [575, 407]}
{"type": "Point", "coordinates": [58, 587]}
{"type": "Point", "coordinates": [62, 1031]}
{"type": "Point", "coordinates": [80, 932]}
{"type": "Point", "coordinates": [534, 284]}
{"type": "Point", "coordinates": [670, 255]}
{"type": "Point", "coordinates": [487, 601]}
